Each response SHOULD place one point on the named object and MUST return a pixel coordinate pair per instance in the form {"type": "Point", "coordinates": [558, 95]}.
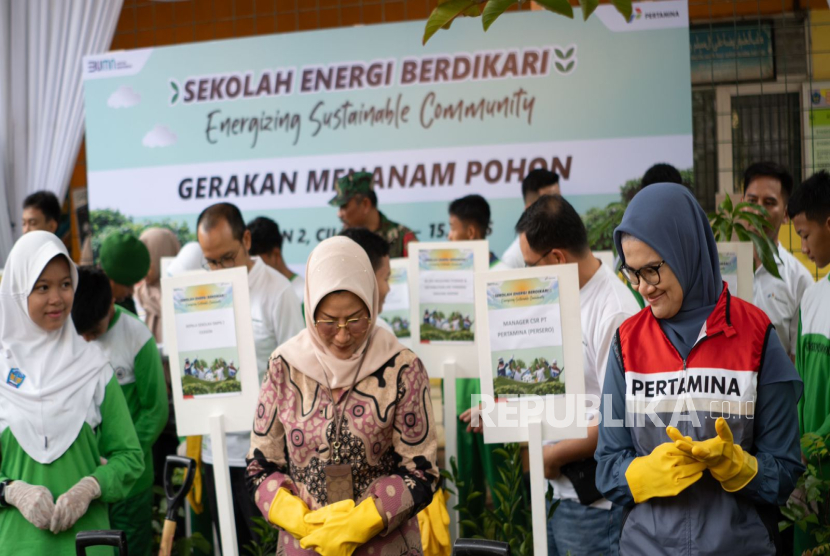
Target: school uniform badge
{"type": "Point", "coordinates": [15, 377]}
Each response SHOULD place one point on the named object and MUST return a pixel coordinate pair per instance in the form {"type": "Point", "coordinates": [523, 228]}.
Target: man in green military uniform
{"type": "Point", "coordinates": [358, 206]}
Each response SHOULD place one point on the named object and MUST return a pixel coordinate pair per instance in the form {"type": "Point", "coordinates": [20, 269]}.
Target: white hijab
{"type": "Point", "coordinates": [60, 370]}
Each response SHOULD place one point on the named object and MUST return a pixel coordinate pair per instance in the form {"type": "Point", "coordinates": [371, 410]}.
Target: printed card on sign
{"type": "Point", "coordinates": [525, 337]}
{"type": "Point", "coordinates": [396, 306]}
{"type": "Point", "coordinates": [736, 268]}
{"type": "Point", "coordinates": [209, 340]}
{"type": "Point", "coordinates": [446, 293]}
{"type": "Point", "coordinates": [443, 312]}
{"type": "Point", "coordinates": [206, 335]}
{"type": "Point", "coordinates": [530, 353]}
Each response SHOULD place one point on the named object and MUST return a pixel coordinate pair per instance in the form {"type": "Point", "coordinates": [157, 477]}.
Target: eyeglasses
{"type": "Point", "coordinates": [355, 327]}
{"type": "Point", "coordinates": [227, 261]}
{"type": "Point", "coordinates": [649, 274]}
{"type": "Point", "coordinates": [539, 260]}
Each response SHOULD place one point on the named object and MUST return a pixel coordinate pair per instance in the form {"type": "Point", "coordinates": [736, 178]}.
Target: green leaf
{"type": "Point", "coordinates": [588, 7]}
{"type": "Point", "coordinates": [764, 248]}
{"type": "Point", "coordinates": [755, 220]}
{"type": "Point", "coordinates": [559, 54]}
{"type": "Point", "coordinates": [501, 452]}
{"type": "Point", "coordinates": [473, 496]}
{"type": "Point", "coordinates": [570, 51]}
{"type": "Point", "coordinates": [570, 66]}
{"type": "Point", "coordinates": [560, 67]}
{"type": "Point", "coordinates": [782, 525]}
{"type": "Point", "coordinates": [812, 518]}
{"type": "Point", "coordinates": [553, 508]}
{"type": "Point", "coordinates": [561, 7]}
{"type": "Point", "coordinates": [493, 10]}
{"type": "Point", "coordinates": [624, 7]}
{"type": "Point", "coordinates": [472, 525]}
{"type": "Point", "coordinates": [444, 14]}
{"type": "Point", "coordinates": [727, 204]}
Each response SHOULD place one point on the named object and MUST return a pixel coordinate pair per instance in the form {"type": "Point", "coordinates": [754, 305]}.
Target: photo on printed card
{"type": "Point", "coordinates": [210, 372]}
{"type": "Point", "coordinates": [206, 336]}
{"type": "Point", "coordinates": [396, 306]}
{"type": "Point", "coordinates": [526, 352]}
{"type": "Point", "coordinates": [446, 296]}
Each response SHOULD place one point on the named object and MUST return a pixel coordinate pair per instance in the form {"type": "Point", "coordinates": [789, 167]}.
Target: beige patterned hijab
{"type": "Point", "coordinates": [339, 264]}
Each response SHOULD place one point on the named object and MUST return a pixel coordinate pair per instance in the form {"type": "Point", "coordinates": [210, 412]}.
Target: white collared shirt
{"type": "Point", "coordinates": [780, 299]}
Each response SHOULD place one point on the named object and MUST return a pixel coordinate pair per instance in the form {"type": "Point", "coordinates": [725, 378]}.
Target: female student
{"type": "Point", "coordinates": [62, 412]}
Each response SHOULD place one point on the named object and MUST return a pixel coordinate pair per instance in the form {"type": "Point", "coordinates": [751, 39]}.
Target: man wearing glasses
{"type": "Point", "coordinates": [550, 233]}
{"type": "Point", "coordinates": [276, 317]}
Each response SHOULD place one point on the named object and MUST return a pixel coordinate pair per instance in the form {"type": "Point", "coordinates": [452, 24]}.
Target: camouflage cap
{"type": "Point", "coordinates": [359, 183]}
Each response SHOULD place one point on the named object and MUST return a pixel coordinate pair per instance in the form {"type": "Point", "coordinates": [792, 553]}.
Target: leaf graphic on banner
{"type": "Point", "coordinates": [560, 67]}
{"type": "Point", "coordinates": [443, 15]}
{"type": "Point", "coordinates": [588, 7]}
{"type": "Point", "coordinates": [175, 87]}
{"type": "Point", "coordinates": [570, 66]}
{"type": "Point", "coordinates": [570, 52]}
{"type": "Point", "coordinates": [493, 10]}
{"type": "Point", "coordinates": [559, 54]}
{"type": "Point", "coordinates": [562, 7]}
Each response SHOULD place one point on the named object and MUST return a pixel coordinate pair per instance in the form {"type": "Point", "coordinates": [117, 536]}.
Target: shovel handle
{"type": "Point", "coordinates": [167, 536]}
{"type": "Point", "coordinates": [175, 498]}
{"type": "Point", "coordinates": [117, 539]}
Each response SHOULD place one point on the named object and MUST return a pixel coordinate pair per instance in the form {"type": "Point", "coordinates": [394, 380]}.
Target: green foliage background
{"type": "Point", "coordinates": [105, 222]}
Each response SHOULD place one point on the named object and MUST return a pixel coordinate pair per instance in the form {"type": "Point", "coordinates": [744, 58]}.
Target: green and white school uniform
{"type": "Point", "coordinates": [812, 359]}
{"type": "Point", "coordinates": [61, 410]}
{"type": "Point", "coordinates": [132, 350]}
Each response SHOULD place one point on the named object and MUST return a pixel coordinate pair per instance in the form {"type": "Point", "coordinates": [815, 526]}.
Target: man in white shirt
{"type": "Point", "coordinates": [770, 185]}
{"type": "Point", "coordinates": [266, 243]}
{"type": "Point", "coordinates": [538, 182]}
{"type": "Point", "coordinates": [551, 233]}
{"type": "Point", "coordinates": [276, 317]}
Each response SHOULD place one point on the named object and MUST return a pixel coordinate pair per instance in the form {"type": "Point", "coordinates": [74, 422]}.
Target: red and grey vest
{"type": "Point", "coordinates": [718, 378]}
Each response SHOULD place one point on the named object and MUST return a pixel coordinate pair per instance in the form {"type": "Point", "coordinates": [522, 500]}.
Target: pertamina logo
{"type": "Point", "coordinates": [653, 12]}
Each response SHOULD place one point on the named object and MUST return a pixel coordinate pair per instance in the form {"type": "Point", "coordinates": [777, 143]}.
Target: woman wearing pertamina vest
{"type": "Point", "coordinates": [62, 412]}
{"type": "Point", "coordinates": [712, 367]}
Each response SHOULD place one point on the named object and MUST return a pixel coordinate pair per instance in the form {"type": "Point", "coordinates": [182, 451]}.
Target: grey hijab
{"type": "Point", "coordinates": [668, 218]}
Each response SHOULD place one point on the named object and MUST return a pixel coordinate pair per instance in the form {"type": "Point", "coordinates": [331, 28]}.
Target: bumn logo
{"type": "Point", "coordinates": [110, 64]}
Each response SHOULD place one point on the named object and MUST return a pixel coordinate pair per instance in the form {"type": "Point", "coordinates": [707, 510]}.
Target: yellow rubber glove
{"type": "Point", "coordinates": [434, 522]}
{"type": "Point", "coordinates": [666, 471]}
{"type": "Point", "coordinates": [343, 532]}
{"type": "Point", "coordinates": [288, 512]}
{"type": "Point", "coordinates": [727, 462]}
{"type": "Point", "coordinates": [317, 518]}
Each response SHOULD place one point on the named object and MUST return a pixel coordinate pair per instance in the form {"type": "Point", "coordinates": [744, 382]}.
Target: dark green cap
{"type": "Point", "coordinates": [124, 258]}
{"type": "Point", "coordinates": [359, 183]}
